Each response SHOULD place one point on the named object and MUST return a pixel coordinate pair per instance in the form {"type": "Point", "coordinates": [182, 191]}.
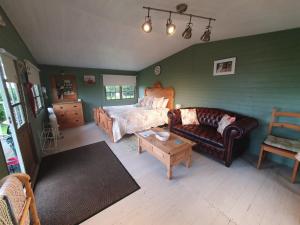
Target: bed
{"type": "Point", "coordinates": [117, 121]}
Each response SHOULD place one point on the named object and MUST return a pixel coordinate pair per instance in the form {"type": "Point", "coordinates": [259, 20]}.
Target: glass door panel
{"type": "Point", "coordinates": [7, 141]}
{"type": "Point", "coordinates": [19, 115]}
{"type": "Point", "coordinates": [11, 114]}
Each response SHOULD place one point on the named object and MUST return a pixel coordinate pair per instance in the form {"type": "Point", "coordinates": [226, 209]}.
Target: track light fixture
{"type": "Point", "coordinates": [187, 33]}
{"type": "Point", "coordinates": [147, 25]}
{"type": "Point", "coordinates": [170, 26]}
{"type": "Point", "coordinates": [206, 36]}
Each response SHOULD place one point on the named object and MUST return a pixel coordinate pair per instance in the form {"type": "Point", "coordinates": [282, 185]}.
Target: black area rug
{"type": "Point", "coordinates": [74, 185]}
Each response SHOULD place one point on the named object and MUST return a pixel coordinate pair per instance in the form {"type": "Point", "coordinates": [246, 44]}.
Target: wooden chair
{"type": "Point", "coordinates": [281, 146]}
{"type": "Point", "coordinates": [30, 200]}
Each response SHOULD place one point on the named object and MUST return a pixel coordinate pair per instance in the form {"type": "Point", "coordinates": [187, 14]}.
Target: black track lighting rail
{"type": "Point", "coordinates": [182, 14]}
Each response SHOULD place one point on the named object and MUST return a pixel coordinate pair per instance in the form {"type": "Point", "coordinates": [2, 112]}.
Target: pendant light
{"type": "Point", "coordinates": [206, 36]}
{"type": "Point", "coordinates": [170, 27]}
{"type": "Point", "coordinates": [147, 25]}
{"type": "Point", "coordinates": [187, 33]}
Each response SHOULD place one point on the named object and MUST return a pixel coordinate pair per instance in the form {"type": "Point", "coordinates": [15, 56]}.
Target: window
{"type": "Point", "coordinates": [15, 103]}
{"type": "Point", "coordinates": [112, 92]}
{"type": "Point", "coordinates": [116, 92]}
{"type": "Point", "coordinates": [37, 98]}
{"type": "Point", "coordinates": [128, 91]}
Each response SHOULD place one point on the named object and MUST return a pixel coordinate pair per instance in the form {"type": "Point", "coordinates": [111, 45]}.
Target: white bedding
{"type": "Point", "coordinates": [128, 119]}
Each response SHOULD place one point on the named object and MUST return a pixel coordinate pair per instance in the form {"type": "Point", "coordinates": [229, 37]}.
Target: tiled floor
{"type": "Point", "coordinates": [206, 193]}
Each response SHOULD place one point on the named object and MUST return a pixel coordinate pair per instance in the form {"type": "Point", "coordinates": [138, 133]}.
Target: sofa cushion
{"type": "Point", "coordinates": [205, 133]}
{"type": "Point", "coordinates": [224, 122]}
{"type": "Point", "coordinates": [189, 116]}
{"type": "Point", "coordinates": [209, 116]}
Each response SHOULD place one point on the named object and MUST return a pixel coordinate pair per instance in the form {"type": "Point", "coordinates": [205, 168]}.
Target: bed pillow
{"type": "Point", "coordinates": [140, 101]}
{"type": "Point", "coordinates": [189, 116]}
{"type": "Point", "coordinates": [157, 103]}
{"type": "Point", "coordinates": [224, 122]}
{"type": "Point", "coordinates": [148, 101]}
{"type": "Point", "coordinates": [144, 101]}
{"type": "Point", "coordinates": [165, 103]}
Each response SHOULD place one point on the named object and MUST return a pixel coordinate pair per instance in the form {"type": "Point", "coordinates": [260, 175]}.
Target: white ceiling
{"type": "Point", "coordinates": [107, 33]}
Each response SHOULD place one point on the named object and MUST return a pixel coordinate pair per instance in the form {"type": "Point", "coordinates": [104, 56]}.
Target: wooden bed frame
{"type": "Point", "coordinates": [103, 120]}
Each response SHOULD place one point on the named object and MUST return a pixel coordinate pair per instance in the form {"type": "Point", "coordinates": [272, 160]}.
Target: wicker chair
{"type": "Point", "coordinates": [29, 204]}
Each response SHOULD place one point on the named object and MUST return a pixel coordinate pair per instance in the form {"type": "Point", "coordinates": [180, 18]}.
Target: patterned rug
{"type": "Point", "coordinates": [74, 185]}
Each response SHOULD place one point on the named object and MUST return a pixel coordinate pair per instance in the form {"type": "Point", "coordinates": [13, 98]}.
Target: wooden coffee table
{"type": "Point", "coordinates": [171, 152]}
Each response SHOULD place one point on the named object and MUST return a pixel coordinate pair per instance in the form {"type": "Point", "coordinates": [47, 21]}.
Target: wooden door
{"type": "Point", "coordinates": [15, 106]}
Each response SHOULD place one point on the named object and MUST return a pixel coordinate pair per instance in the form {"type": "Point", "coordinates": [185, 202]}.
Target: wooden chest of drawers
{"type": "Point", "coordinates": [69, 114]}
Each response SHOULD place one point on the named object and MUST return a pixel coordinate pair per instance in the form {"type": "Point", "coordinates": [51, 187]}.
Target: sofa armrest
{"type": "Point", "coordinates": [239, 128]}
{"type": "Point", "coordinates": [174, 117]}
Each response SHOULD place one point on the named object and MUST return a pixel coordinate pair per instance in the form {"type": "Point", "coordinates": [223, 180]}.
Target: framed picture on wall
{"type": "Point", "coordinates": [89, 79]}
{"type": "Point", "coordinates": [224, 66]}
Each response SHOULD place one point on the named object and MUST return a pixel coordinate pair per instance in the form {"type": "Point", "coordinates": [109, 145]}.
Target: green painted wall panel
{"type": "Point", "coordinates": [11, 41]}
{"type": "Point", "coordinates": [267, 75]}
{"type": "Point", "coordinates": [92, 95]}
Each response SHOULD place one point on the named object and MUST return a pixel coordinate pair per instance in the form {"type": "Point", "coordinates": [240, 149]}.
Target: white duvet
{"type": "Point", "coordinates": [128, 119]}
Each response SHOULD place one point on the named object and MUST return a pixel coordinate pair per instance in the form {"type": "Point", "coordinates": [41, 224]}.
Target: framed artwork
{"type": "Point", "coordinates": [89, 79]}
{"type": "Point", "coordinates": [224, 66]}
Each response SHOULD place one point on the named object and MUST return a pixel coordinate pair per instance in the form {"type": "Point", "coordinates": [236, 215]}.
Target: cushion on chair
{"type": "Point", "coordinates": [284, 143]}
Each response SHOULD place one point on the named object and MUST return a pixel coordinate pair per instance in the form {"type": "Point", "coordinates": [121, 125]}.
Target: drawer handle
{"type": "Point", "coordinates": [74, 106]}
{"type": "Point", "coordinates": [77, 120]}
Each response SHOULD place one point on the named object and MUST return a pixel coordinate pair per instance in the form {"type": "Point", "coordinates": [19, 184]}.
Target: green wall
{"type": "Point", "coordinates": [13, 43]}
{"type": "Point", "coordinates": [92, 95]}
{"type": "Point", "coordinates": [267, 75]}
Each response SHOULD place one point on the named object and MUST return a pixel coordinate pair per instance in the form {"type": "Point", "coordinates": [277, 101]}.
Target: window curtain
{"type": "Point", "coordinates": [33, 73]}
{"type": "Point", "coordinates": [111, 80]}
{"type": "Point", "coordinates": [33, 78]}
{"type": "Point", "coordinates": [10, 72]}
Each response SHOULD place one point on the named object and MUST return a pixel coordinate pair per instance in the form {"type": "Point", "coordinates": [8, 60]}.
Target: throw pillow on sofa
{"type": "Point", "coordinates": [189, 116]}
{"type": "Point", "coordinates": [224, 122]}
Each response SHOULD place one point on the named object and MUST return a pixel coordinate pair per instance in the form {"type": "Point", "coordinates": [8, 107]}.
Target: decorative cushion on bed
{"type": "Point", "coordinates": [284, 143]}
{"type": "Point", "coordinates": [157, 103]}
{"type": "Point", "coordinates": [189, 116]}
{"type": "Point", "coordinates": [140, 101]}
{"type": "Point", "coordinates": [165, 103]}
{"type": "Point", "coordinates": [224, 122]}
{"type": "Point", "coordinates": [147, 102]}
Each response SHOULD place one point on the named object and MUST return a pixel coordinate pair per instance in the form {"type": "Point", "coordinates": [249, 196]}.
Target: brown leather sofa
{"type": "Point", "coordinates": [226, 147]}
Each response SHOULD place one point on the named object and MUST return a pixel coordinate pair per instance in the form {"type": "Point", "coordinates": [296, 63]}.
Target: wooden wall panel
{"type": "Point", "coordinates": [267, 75]}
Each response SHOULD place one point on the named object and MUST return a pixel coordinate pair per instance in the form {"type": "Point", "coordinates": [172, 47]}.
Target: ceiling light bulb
{"type": "Point", "coordinates": [187, 33]}
{"type": "Point", "coordinates": [147, 25]}
{"type": "Point", "coordinates": [171, 28]}
{"type": "Point", "coordinates": [206, 36]}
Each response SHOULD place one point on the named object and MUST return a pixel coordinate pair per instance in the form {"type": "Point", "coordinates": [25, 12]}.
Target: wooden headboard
{"type": "Point", "coordinates": [158, 91]}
